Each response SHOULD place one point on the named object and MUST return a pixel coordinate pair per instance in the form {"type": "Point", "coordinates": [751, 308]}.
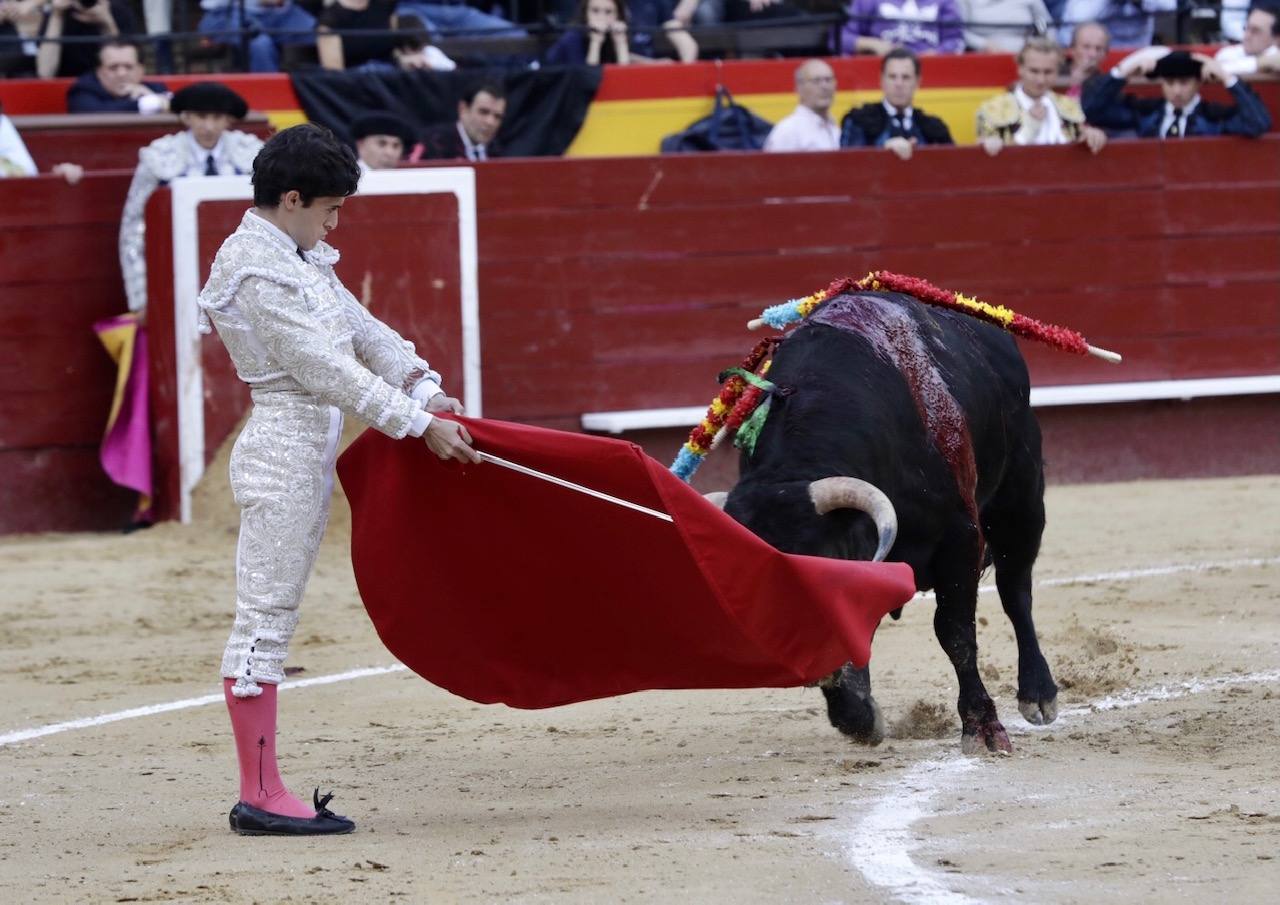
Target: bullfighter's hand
{"type": "Point", "coordinates": [993, 145]}
{"type": "Point", "coordinates": [442, 403]}
{"type": "Point", "coordinates": [450, 440]}
{"type": "Point", "coordinates": [900, 146]}
{"type": "Point", "coordinates": [1094, 138]}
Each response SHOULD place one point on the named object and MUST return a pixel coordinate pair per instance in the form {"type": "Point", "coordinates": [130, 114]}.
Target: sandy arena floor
{"type": "Point", "coordinates": [1159, 611]}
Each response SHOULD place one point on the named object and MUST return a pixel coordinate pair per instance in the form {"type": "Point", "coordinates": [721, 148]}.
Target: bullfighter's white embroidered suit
{"type": "Point", "coordinates": [308, 351]}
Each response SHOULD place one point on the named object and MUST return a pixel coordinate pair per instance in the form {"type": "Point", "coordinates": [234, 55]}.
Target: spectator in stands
{"type": "Point", "coordinates": [1181, 112]}
{"type": "Point", "coordinates": [116, 86]}
{"type": "Point", "coordinates": [79, 19]}
{"type": "Point", "coordinates": [291, 24]}
{"type": "Point", "coordinates": [1259, 51]}
{"type": "Point", "coordinates": [338, 49]}
{"type": "Point", "coordinates": [1090, 44]}
{"type": "Point", "coordinates": [597, 34]}
{"type": "Point", "coordinates": [414, 50]}
{"type": "Point", "coordinates": [1130, 22]}
{"type": "Point", "coordinates": [472, 136]}
{"type": "Point", "coordinates": [381, 140]}
{"type": "Point", "coordinates": [457, 17]}
{"type": "Point", "coordinates": [19, 21]}
{"type": "Point", "coordinates": [15, 159]}
{"type": "Point", "coordinates": [717, 12]}
{"type": "Point", "coordinates": [208, 147]}
{"type": "Point", "coordinates": [1031, 113]}
{"type": "Point", "coordinates": [894, 123]}
{"type": "Point", "coordinates": [1002, 26]}
{"type": "Point", "coordinates": [924, 26]}
{"type": "Point", "coordinates": [647, 18]}
{"type": "Point", "coordinates": [810, 126]}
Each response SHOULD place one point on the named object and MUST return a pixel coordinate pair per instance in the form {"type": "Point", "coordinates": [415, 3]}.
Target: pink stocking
{"type": "Point", "coordinates": [253, 720]}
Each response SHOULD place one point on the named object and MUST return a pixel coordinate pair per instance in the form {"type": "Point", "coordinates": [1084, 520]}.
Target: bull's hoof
{"type": "Point", "coordinates": [857, 717]}
{"type": "Point", "coordinates": [1039, 713]}
{"type": "Point", "coordinates": [988, 736]}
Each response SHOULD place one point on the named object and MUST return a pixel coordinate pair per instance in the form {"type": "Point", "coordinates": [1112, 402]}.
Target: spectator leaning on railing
{"type": "Point", "coordinates": [1180, 113]}
{"type": "Point", "coordinates": [1259, 51]}
{"type": "Point", "coordinates": [894, 123]}
{"type": "Point", "coordinates": [1001, 26]}
{"type": "Point", "coordinates": [597, 34]}
{"type": "Point", "coordinates": [809, 127]}
{"type": "Point", "coordinates": [669, 16]}
{"type": "Point", "coordinates": [15, 159]}
{"type": "Point", "coordinates": [924, 26]}
{"type": "Point", "coordinates": [1031, 113]}
{"type": "Point", "coordinates": [1090, 44]}
{"type": "Point", "coordinates": [275, 23]}
{"type": "Point", "coordinates": [339, 50]}
{"type": "Point", "coordinates": [79, 19]}
{"type": "Point", "coordinates": [116, 86]}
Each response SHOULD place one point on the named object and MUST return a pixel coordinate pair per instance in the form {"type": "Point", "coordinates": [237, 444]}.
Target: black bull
{"type": "Point", "coordinates": [932, 408]}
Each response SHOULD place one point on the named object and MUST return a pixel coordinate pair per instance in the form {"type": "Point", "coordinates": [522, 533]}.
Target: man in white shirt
{"type": "Point", "coordinates": [810, 127]}
{"type": "Point", "coordinates": [1033, 114]}
{"type": "Point", "coordinates": [1259, 50]}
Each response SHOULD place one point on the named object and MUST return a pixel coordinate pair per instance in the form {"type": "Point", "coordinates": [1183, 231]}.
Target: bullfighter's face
{"type": "Point", "coordinates": [1036, 72]}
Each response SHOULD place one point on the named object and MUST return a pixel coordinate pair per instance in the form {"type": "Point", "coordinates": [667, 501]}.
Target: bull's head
{"type": "Point", "coordinates": [815, 517]}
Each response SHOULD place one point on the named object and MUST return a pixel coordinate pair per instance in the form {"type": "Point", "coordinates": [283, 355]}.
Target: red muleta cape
{"type": "Point", "coordinates": [501, 587]}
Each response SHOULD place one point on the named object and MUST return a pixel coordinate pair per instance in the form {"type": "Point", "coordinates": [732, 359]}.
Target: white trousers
{"type": "Point", "coordinates": [282, 479]}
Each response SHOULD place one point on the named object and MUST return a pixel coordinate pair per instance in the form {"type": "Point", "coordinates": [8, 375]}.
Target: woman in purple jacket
{"type": "Point", "coordinates": [922, 26]}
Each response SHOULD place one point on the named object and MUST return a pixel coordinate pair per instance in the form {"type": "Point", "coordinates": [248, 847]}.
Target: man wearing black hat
{"type": "Point", "coordinates": [1181, 113]}
{"type": "Point", "coordinates": [381, 139]}
{"type": "Point", "coordinates": [208, 147]}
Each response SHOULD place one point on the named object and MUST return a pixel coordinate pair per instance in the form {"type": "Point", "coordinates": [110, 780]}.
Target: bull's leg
{"type": "Point", "coordinates": [1014, 523]}
{"type": "Point", "coordinates": [953, 623]}
{"type": "Point", "coordinates": [850, 706]}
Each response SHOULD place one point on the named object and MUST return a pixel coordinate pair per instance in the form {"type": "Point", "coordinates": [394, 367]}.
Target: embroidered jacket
{"type": "Point", "coordinates": [291, 327]}
{"type": "Point", "coordinates": [1002, 116]}
{"type": "Point", "coordinates": [159, 163]}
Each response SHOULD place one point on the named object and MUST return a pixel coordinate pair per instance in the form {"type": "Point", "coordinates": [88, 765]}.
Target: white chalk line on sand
{"type": "Point", "coordinates": [881, 844]}
{"type": "Point", "coordinates": [24, 735]}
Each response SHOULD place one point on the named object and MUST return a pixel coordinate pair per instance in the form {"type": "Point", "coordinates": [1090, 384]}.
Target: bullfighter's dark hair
{"type": "Point", "coordinates": [900, 53]}
{"type": "Point", "coordinates": [309, 159]}
{"type": "Point", "coordinates": [494, 89]}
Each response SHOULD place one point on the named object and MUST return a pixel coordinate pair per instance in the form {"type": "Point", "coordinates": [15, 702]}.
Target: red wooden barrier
{"type": "Point", "coordinates": [618, 284]}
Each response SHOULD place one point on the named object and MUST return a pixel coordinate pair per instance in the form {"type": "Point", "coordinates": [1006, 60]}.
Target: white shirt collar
{"type": "Point", "coordinates": [474, 151]}
{"type": "Point", "coordinates": [893, 111]}
{"type": "Point", "coordinates": [200, 155]}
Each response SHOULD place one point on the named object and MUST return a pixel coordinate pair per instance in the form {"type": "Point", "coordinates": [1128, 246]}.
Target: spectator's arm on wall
{"type": "Point", "coordinates": [49, 56]}
{"type": "Point", "coordinates": [329, 48]}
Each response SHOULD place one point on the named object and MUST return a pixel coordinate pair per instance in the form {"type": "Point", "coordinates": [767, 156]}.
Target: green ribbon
{"type": "Point", "coordinates": [749, 432]}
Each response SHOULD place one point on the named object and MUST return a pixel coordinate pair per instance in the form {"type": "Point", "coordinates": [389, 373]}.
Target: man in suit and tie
{"type": "Point", "coordinates": [894, 123]}
{"type": "Point", "coordinates": [472, 136]}
{"type": "Point", "coordinates": [1181, 113]}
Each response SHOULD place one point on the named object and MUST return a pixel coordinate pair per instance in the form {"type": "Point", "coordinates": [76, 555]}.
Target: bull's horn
{"type": "Point", "coordinates": [850, 493]}
{"type": "Point", "coordinates": [716, 498]}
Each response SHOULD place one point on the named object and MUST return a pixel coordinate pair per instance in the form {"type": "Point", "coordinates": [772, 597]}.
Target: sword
{"type": "Point", "coordinates": [542, 475]}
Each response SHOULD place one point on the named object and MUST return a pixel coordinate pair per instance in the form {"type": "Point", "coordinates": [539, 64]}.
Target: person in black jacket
{"type": "Point", "coordinates": [1180, 113]}
{"type": "Point", "coordinates": [471, 137]}
{"type": "Point", "coordinates": [116, 86]}
{"type": "Point", "coordinates": [893, 123]}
